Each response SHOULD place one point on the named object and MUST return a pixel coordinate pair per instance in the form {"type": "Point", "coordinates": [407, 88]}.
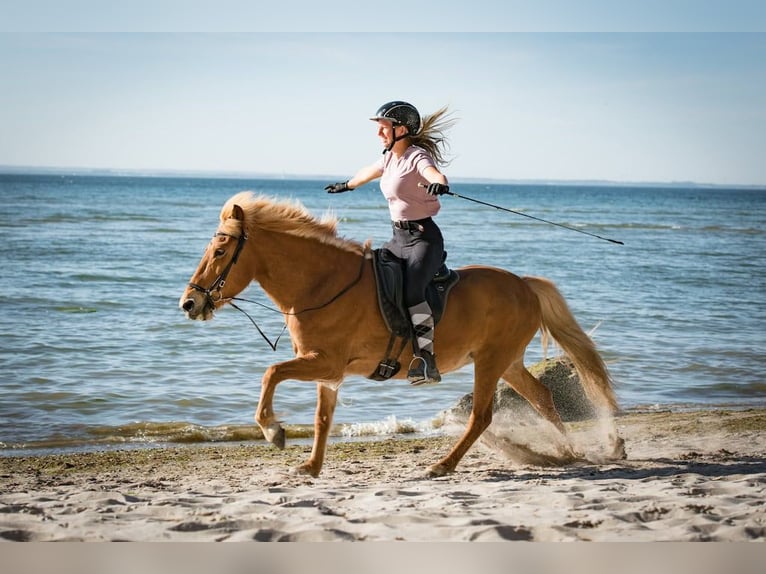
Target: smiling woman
{"type": "Point", "coordinates": [410, 179]}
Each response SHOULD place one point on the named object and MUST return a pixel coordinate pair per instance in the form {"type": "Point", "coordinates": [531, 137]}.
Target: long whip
{"type": "Point", "coordinates": [453, 194]}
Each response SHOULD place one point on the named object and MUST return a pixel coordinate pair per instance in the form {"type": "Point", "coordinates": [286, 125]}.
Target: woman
{"type": "Point", "coordinates": [411, 182]}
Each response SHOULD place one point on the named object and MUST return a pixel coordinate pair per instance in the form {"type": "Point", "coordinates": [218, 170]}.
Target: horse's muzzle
{"type": "Point", "coordinates": [196, 306]}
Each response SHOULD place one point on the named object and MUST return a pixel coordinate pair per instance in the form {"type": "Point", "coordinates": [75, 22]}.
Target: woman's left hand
{"type": "Point", "coordinates": [437, 188]}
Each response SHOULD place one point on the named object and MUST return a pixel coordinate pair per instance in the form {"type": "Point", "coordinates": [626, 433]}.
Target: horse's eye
{"type": "Point", "coordinates": [219, 253]}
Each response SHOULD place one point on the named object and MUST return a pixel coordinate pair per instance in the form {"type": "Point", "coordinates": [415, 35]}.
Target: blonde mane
{"type": "Point", "coordinates": [289, 217]}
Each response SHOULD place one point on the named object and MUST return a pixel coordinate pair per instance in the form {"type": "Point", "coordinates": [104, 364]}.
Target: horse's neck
{"type": "Point", "coordinates": [298, 272]}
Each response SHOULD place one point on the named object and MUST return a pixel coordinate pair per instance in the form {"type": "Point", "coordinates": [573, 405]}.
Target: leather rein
{"type": "Point", "coordinates": [214, 294]}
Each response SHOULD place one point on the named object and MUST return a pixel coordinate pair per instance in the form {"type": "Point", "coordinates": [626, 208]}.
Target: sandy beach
{"type": "Point", "coordinates": [689, 476]}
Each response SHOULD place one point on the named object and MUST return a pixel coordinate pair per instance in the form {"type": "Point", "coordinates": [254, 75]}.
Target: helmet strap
{"type": "Point", "coordinates": [396, 139]}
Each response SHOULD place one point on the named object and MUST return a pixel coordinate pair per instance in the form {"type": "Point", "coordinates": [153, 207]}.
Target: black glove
{"type": "Point", "coordinates": [437, 189]}
{"type": "Point", "coordinates": [339, 187]}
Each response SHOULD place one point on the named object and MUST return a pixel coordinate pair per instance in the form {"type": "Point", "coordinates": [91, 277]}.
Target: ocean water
{"type": "Point", "coordinates": [94, 351]}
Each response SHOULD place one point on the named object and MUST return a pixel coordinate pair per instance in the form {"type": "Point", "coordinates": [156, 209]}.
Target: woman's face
{"type": "Point", "coordinates": [386, 132]}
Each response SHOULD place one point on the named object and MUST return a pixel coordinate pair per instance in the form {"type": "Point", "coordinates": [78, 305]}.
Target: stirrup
{"type": "Point", "coordinates": [423, 371]}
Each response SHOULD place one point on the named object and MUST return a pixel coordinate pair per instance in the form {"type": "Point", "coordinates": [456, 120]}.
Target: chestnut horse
{"type": "Point", "coordinates": [325, 286]}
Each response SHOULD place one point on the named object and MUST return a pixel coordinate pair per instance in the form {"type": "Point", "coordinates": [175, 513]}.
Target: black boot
{"type": "Point", "coordinates": [423, 370]}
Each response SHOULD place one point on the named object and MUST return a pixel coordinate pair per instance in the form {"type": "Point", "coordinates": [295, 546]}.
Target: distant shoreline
{"type": "Point", "coordinates": [172, 173]}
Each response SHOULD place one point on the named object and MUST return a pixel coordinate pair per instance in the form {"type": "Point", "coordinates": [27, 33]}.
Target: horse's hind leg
{"type": "Point", "coordinates": [536, 394]}
{"type": "Point", "coordinates": [485, 381]}
{"type": "Point", "coordinates": [540, 397]}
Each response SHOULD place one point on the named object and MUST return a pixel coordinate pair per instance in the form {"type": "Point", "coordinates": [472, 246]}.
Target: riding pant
{"type": "Point", "coordinates": [421, 246]}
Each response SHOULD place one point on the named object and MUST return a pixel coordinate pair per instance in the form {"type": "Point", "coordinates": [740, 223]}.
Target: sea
{"type": "Point", "coordinates": [95, 353]}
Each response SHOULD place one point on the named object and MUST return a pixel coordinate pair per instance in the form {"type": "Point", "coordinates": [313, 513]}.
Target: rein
{"type": "Point", "coordinates": [273, 345]}
{"type": "Point", "coordinates": [213, 293]}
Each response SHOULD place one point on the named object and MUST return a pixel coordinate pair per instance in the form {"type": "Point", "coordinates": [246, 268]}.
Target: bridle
{"type": "Point", "coordinates": [213, 293]}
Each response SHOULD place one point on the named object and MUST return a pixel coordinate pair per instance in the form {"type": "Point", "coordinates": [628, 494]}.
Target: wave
{"type": "Point", "coordinates": [166, 433]}
{"type": "Point", "coordinates": [389, 426]}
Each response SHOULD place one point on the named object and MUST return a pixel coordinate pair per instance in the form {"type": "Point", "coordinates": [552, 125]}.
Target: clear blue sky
{"type": "Point", "coordinates": [605, 106]}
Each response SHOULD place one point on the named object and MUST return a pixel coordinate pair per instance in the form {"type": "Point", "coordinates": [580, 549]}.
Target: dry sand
{"type": "Point", "coordinates": [689, 476]}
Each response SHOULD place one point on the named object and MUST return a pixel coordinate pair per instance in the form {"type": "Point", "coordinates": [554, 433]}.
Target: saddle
{"type": "Point", "coordinates": [389, 278]}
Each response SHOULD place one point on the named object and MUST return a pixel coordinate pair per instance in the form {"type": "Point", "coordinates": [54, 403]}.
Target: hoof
{"type": "Point", "coordinates": [275, 434]}
{"type": "Point", "coordinates": [569, 456]}
{"type": "Point", "coordinates": [619, 449]}
{"type": "Point", "coordinates": [305, 469]}
{"type": "Point", "coordinates": [438, 470]}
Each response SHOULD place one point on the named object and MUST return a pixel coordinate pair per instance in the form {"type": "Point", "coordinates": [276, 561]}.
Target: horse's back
{"type": "Point", "coordinates": [486, 282]}
{"type": "Point", "coordinates": [493, 303]}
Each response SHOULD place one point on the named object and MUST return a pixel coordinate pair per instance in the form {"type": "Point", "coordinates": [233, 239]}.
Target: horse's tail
{"type": "Point", "coordinates": [559, 324]}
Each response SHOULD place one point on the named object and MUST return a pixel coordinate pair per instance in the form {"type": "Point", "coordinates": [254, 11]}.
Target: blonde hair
{"type": "Point", "coordinates": [432, 135]}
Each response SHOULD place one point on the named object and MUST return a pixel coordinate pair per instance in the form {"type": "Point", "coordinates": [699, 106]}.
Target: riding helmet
{"type": "Point", "coordinates": [399, 113]}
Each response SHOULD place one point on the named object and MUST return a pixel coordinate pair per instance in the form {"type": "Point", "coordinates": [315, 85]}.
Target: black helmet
{"type": "Point", "coordinates": [400, 114]}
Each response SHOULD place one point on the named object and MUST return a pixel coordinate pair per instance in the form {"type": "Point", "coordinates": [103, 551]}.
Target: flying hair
{"type": "Point", "coordinates": [433, 137]}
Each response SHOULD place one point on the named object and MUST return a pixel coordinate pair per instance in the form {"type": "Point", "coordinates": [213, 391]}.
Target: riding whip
{"type": "Point", "coordinates": [527, 215]}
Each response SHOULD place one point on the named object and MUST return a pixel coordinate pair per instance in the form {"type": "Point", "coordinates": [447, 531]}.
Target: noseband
{"type": "Point", "coordinates": [213, 293]}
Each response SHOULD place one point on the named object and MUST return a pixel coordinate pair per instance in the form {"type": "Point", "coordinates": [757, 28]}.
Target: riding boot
{"type": "Point", "coordinates": [423, 368]}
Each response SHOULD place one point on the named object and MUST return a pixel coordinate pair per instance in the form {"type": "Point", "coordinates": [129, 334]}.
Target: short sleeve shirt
{"type": "Point", "coordinates": [399, 184]}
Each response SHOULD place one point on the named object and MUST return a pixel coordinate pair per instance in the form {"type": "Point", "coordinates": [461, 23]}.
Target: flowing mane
{"type": "Point", "coordinates": [289, 217]}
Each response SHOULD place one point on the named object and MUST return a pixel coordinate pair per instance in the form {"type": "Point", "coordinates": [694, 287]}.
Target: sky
{"type": "Point", "coordinates": [631, 107]}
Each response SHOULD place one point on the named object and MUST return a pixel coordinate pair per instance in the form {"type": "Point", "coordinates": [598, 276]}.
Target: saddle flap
{"type": "Point", "coordinates": [389, 275]}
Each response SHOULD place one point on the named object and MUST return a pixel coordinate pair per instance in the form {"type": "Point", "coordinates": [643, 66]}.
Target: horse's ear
{"type": "Point", "coordinates": [238, 213]}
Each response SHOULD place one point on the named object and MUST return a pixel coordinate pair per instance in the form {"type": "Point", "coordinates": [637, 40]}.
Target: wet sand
{"type": "Point", "coordinates": [689, 476]}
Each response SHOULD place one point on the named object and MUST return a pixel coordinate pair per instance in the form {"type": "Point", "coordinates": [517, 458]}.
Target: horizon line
{"type": "Point", "coordinates": [244, 174]}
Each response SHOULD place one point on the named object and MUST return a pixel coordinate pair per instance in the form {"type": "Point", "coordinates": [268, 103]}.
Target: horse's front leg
{"type": "Point", "coordinates": [308, 367]}
{"type": "Point", "coordinates": [327, 396]}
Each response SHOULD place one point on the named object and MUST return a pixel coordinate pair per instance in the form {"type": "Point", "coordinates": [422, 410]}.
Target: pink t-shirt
{"type": "Point", "coordinates": [399, 184]}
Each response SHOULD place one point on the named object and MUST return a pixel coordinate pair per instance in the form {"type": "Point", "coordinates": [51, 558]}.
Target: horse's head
{"type": "Point", "coordinates": [218, 278]}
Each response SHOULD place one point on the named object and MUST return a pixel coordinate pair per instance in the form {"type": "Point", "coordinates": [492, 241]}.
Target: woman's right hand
{"type": "Point", "coordinates": [339, 187]}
